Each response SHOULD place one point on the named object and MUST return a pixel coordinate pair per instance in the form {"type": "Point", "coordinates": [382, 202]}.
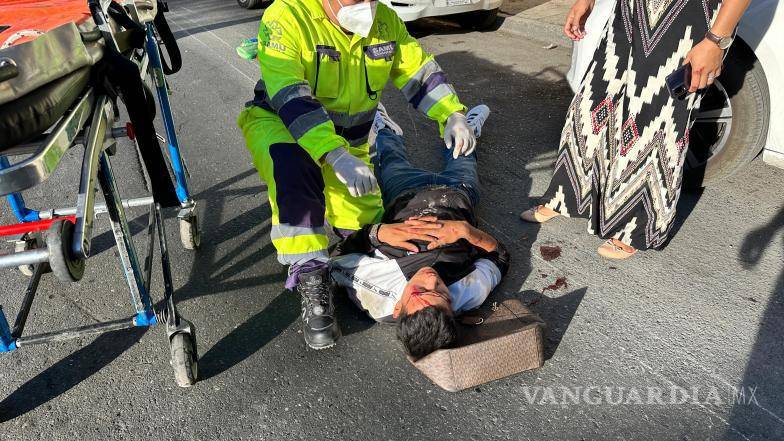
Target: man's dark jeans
{"type": "Point", "coordinates": [396, 175]}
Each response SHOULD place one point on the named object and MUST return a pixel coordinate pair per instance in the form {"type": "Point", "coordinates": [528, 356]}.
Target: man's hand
{"type": "Point", "coordinates": [444, 232]}
{"type": "Point", "coordinates": [705, 58]}
{"type": "Point", "coordinates": [452, 231]}
{"type": "Point", "coordinates": [459, 135]}
{"type": "Point", "coordinates": [352, 171]}
{"type": "Point", "coordinates": [400, 235]}
{"type": "Point", "coordinates": [574, 28]}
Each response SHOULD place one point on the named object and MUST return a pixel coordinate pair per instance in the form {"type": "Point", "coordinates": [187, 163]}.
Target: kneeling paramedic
{"type": "Point", "coordinates": [427, 262]}
{"type": "Point", "coordinates": [323, 65]}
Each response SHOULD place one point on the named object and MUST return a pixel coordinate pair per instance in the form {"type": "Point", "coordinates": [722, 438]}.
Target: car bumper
{"type": "Point", "coordinates": [410, 10]}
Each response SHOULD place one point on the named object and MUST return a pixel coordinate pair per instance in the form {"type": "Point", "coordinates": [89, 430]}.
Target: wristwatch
{"type": "Point", "coordinates": [722, 42]}
{"type": "Point", "coordinates": [373, 235]}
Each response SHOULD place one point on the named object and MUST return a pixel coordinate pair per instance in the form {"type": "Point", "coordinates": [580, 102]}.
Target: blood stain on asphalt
{"type": "Point", "coordinates": [559, 283]}
{"type": "Point", "coordinates": [550, 252]}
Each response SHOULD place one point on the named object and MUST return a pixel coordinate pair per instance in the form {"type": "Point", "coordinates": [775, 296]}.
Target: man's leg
{"type": "Point", "coordinates": [295, 187]}
{"type": "Point", "coordinates": [393, 169]}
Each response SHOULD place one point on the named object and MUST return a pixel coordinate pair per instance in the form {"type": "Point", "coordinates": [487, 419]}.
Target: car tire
{"type": "Point", "coordinates": [249, 4]}
{"type": "Point", "coordinates": [478, 20]}
{"type": "Point", "coordinates": [715, 153]}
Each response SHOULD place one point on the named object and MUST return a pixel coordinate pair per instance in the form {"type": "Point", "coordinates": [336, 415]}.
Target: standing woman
{"type": "Point", "coordinates": [620, 162]}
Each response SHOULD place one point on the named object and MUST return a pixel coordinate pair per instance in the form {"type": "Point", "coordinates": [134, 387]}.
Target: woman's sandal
{"type": "Point", "coordinates": [610, 250]}
{"type": "Point", "coordinates": [535, 216]}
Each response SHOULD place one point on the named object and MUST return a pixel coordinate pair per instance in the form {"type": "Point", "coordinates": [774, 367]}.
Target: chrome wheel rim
{"type": "Point", "coordinates": [711, 129]}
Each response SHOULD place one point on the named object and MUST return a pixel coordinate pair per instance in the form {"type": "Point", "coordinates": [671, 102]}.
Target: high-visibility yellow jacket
{"type": "Point", "coordinates": [325, 85]}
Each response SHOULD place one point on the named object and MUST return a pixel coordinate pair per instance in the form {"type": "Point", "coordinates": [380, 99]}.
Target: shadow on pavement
{"type": "Point", "coordinates": [557, 313]}
{"type": "Point", "coordinates": [68, 372]}
{"type": "Point", "coordinates": [765, 367]}
{"type": "Point", "coordinates": [214, 273]}
{"type": "Point", "coordinates": [250, 336]}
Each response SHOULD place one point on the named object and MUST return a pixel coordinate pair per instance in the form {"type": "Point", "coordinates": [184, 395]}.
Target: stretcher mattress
{"type": "Point", "coordinates": [45, 40]}
{"type": "Point", "coordinates": [47, 48]}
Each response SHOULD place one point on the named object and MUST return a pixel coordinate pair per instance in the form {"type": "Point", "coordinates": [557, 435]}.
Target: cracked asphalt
{"type": "Point", "coordinates": [657, 347]}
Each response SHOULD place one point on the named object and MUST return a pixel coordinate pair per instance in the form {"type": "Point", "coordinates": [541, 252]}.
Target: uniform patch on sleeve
{"type": "Point", "coordinates": [380, 51]}
{"type": "Point", "coordinates": [271, 34]}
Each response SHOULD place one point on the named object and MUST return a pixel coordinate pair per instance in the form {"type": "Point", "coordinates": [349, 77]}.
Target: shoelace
{"type": "Point", "coordinates": [317, 295]}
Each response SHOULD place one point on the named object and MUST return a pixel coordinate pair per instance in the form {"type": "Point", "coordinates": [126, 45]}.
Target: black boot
{"type": "Point", "coordinates": [319, 324]}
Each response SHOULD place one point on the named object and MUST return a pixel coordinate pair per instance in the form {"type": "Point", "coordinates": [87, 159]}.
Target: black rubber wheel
{"type": "Point", "coordinates": [184, 359]}
{"type": "Point", "coordinates": [249, 4]}
{"type": "Point", "coordinates": [64, 265]}
{"type": "Point", "coordinates": [731, 125]}
{"type": "Point", "coordinates": [478, 20]}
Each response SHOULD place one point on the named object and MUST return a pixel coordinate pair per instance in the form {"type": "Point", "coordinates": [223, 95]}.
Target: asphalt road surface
{"type": "Point", "coordinates": [679, 344]}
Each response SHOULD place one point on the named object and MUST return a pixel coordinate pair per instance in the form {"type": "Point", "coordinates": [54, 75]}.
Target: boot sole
{"type": "Point", "coordinates": [318, 348]}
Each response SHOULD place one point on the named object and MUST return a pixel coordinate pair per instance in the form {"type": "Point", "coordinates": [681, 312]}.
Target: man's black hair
{"type": "Point", "coordinates": [426, 330]}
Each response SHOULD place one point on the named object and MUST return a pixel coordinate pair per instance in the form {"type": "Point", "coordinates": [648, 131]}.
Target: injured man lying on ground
{"type": "Point", "coordinates": [427, 262]}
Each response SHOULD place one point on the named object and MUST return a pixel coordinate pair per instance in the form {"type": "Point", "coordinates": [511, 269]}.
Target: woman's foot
{"type": "Point", "coordinates": [615, 249]}
{"type": "Point", "coordinates": [538, 214]}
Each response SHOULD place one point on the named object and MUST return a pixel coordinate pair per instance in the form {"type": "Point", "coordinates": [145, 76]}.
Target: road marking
{"type": "Point", "coordinates": [229, 62]}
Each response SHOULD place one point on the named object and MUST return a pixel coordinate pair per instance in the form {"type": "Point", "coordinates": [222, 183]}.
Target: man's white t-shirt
{"type": "Point", "coordinates": [375, 283]}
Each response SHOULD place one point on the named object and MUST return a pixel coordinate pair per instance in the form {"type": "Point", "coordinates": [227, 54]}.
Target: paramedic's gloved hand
{"type": "Point", "coordinates": [353, 172]}
{"type": "Point", "coordinates": [458, 135]}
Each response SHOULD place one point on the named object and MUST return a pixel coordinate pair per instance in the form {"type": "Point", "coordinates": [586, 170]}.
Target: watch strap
{"type": "Point", "coordinates": [722, 42]}
{"type": "Point", "coordinates": [373, 235]}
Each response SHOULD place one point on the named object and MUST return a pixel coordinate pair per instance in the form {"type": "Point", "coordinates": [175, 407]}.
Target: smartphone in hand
{"type": "Point", "coordinates": [679, 82]}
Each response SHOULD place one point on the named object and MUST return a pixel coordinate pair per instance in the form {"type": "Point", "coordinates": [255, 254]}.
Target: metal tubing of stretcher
{"type": "Point", "coordinates": [15, 200]}
{"type": "Point", "coordinates": [80, 331]}
{"type": "Point", "coordinates": [38, 167]}
{"type": "Point", "coordinates": [140, 298]}
{"type": "Point", "coordinates": [97, 208]}
{"type": "Point", "coordinates": [168, 120]}
{"type": "Point", "coordinates": [85, 201]}
{"type": "Point", "coordinates": [29, 257]}
{"type": "Point", "coordinates": [172, 318]}
{"type": "Point", "coordinates": [27, 301]}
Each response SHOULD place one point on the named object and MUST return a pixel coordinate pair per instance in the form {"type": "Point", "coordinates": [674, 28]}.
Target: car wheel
{"type": "Point", "coordinates": [478, 20]}
{"type": "Point", "coordinates": [731, 125]}
{"type": "Point", "coordinates": [249, 4]}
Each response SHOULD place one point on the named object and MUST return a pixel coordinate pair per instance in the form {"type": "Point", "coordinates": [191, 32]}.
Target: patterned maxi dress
{"type": "Point", "coordinates": [620, 162]}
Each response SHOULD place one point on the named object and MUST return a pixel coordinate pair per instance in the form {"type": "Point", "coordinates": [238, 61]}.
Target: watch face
{"type": "Point", "coordinates": [725, 42]}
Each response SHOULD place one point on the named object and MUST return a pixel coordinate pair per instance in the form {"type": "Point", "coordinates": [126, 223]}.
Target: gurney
{"type": "Point", "coordinates": [65, 67]}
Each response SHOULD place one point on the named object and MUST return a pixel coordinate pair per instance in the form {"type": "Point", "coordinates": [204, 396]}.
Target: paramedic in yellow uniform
{"type": "Point", "coordinates": [324, 64]}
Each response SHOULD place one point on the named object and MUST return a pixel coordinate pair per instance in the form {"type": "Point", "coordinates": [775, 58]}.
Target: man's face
{"type": "Point", "coordinates": [426, 288]}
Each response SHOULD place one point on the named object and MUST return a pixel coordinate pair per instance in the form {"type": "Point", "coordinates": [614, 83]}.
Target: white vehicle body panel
{"type": "Point", "coordinates": [410, 10]}
{"type": "Point", "coordinates": [757, 28]}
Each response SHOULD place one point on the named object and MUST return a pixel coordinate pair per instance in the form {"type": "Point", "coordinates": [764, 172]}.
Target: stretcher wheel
{"type": "Point", "coordinates": [64, 265]}
{"type": "Point", "coordinates": [190, 236]}
{"type": "Point", "coordinates": [184, 359]}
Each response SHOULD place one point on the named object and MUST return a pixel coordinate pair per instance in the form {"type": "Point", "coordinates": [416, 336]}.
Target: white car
{"type": "Point", "coordinates": [735, 122]}
{"type": "Point", "coordinates": [470, 14]}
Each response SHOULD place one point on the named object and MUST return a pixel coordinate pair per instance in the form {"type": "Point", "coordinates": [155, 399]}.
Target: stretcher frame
{"type": "Point", "coordinates": [66, 245]}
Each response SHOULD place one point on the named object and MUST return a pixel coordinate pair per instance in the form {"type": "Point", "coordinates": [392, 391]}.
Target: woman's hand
{"type": "Point", "coordinates": [705, 59]}
{"type": "Point", "coordinates": [400, 235]}
{"type": "Point", "coordinates": [444, 232]}
{"type": "Point", "coordinates": [575, 21]}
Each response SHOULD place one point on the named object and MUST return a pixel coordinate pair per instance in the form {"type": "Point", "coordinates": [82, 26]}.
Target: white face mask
{"type": "Point", "coordinates": [356, 18]}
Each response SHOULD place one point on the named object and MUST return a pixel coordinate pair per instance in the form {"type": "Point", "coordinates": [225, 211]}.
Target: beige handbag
{"type": "Point", "coordinates": [498, 340]}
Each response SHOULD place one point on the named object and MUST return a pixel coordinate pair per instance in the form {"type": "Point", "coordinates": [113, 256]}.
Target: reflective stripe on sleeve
{"type": "Point", "coordinates": [414, 84]}
{"type": "Point", "coordinates": [434, 96]}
